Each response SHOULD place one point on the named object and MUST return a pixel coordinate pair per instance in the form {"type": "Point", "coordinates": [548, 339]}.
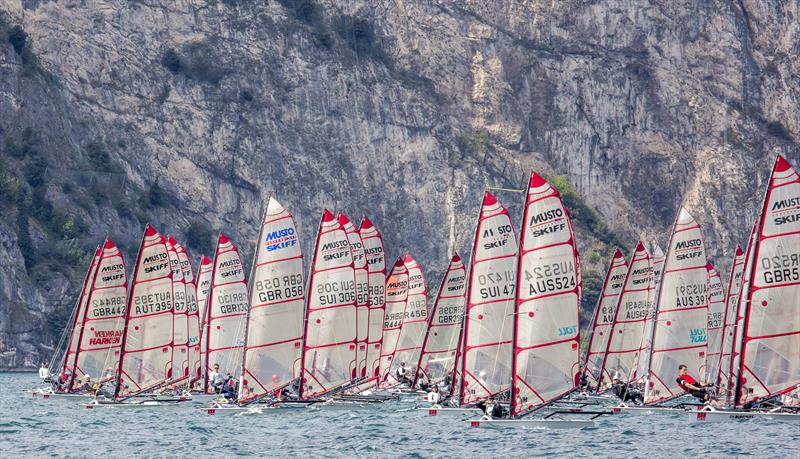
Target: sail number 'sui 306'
{"type": "Point", "coordinates": [279, 288]}
{"type": "Point", "coordinates": [336, 292]}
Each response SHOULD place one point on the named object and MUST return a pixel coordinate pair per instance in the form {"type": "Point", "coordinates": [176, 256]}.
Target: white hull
{"type": "Point", "coordinates": [126, 405]}
{"type": "Point", "coordinates": [340, 405]}
{"type": "Point", "coordinates": [45, 395]}
{"type": "Point", "coordinates": [645, 410]}
{"type": "Point", "coordinates": [725, 416]}
{"type": "Point", "coordinates": [238, 410]}
{"type": "Point", "coordinates": [449, 412]}
{"type": "Point", "coordinates": [531, 423]}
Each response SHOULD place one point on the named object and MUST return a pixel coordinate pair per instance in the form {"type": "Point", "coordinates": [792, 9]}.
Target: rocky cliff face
{"type": "Point", "coordinates": [190, 113]}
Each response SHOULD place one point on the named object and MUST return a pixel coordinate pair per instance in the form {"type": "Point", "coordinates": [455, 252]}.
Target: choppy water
{"type": "Point", "coordinates": [60, 428]}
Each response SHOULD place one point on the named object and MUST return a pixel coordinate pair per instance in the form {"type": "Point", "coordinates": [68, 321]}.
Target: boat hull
{"type": "Point", "coordinates": [531, 423]}
{"type": "Point", "coordinates": [449, 412]}
{"type": "Point", "coordinates": [726, 416]}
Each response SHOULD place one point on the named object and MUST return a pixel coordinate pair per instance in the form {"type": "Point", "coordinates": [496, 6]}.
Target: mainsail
{"type": "Point", "coordinates": [604, 317]}
{"type": "Point", "coordinates": [679, 334]}
{"type": "Point", "coordinates": [716, 317]}
{"type": "Point", "coordinates": [415, 318]}
{"type": "Point", "coordinates": [180, 315]}
{"type": "Point", "coordinates": [741, 310]}
{"type": "Point", "coordinates": [193, 324]}
{"type": "Point", "coordinates": [80, 316]}
{"type": "Point", "coordinates": [362, 293]}
{"type": "Point", "coordinates": [227, 310]}
{"type": "Point", "coordinates": [104, 324]}
{"type": "Point", "coordinates": [146, 359]}
{"type": "Point", "coordinates": [734, 285]}
{"type": "Point", "coordinates": [633, 309]}
{"type": "Point", "coordinates": [329, 351]}
{"type": "Point", "coordinates": [546, 334]}
{"type": "Point", "coordinates": [643, 364]}
{"type": "Point", "coordinates": [438, 356]}
{"type": "Point", "coordinates": [376, 264]}
{"type": "Point", "coordinates": [770, 356]}
{"type": "Point", "coordinates": [489, 320]}
{"type": "Point", "coordinates": [396, 296]}
{"type": "Point", "coordinates": [204, 272]}
{"type": "Point", "coordinates": [277, 306]}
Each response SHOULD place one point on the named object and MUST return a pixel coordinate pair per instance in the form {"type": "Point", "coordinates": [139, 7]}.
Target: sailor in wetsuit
{"type": "Point", "coordinates": [697, 390]}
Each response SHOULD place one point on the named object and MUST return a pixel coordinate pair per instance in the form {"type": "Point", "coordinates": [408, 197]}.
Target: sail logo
{"type": "Point", "coordinates": [280, 239]}
{"type": "Point", "coordinates": [698, 335]}
{"type": "Point", "coordinates": [567, 331]}
{"type": "Point", "coordinates": [547, 222]}
{"type": "Point", "coordinates": [334, 250]}
{"type": "Point", "coordinates": [106, 338]}
{"type": "Point", "coordinates": [109, 268]}
{"type": "Point", "coordinates": [785, 204]}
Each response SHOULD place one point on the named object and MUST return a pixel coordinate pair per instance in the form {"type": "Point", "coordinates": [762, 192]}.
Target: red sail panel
{"type": "Point", "coordinates": [489, 321]}
{"type": "Point", "coordinates": [770, 358]}
{"type": "Point", "coordinates": [376, 265]}
{"type": "Point", "coordinates": [546, 334]}
{"type": "Point", "coordinates": [146, 359]}
{"type": "Point", "coordinates": [438, 357]}
{"type": "Point", "coordinates": [329, 353]}
{"type": "Point", "coordinates": [104, 324]}
{"type": "Point", "coordinates": [604, 317]}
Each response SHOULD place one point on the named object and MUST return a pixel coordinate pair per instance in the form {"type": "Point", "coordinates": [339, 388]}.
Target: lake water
{"type": "Point", "coordinates": [59, 428]}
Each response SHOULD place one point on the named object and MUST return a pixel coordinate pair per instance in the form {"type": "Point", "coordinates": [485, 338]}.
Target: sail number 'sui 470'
{"type": "Point", "coordinates": [336, 292]}
{"type": "Point", "coordinates": [279, 288]}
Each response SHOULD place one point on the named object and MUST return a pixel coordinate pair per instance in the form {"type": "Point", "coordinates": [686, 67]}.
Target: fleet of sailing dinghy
{"type": "Point", "coordinates": [504, 332]}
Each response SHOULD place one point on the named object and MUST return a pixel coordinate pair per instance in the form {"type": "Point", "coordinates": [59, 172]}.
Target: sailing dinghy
{"type": "Point", "coordinates": [767, 371]}
{"type": "Point", "coordinates": [396, 296]}
{"type": "Point", "coordinates": [415, 320]}
{"type": "Point", "coordinates": [546, 347]}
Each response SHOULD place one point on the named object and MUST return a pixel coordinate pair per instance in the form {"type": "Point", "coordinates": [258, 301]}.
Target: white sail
{"type": "Point", "coordinates": [547, 335]}
{"type": "Point", "coordinates": [770, 356]}
{"type": "Point", "coordinates": [716, 317]}
{"type": "Point", "coordinates": [202, 287]}
{"type": "Point", "coordinates": [679, 335]}
{"type": "Point", "coordinates": [77, 325]}
{"type": "Point", "coordinates": [734, 286]}
{"type": "Point", "coordinates": [362, 293]}
{"type": "Point", "coordinates": [376, 264]}
{"type": "Point", "coordinates": [104, 324]}
{"type": "Point", "coordinates": [643, 358]}
{"type": "Point", "coordinates": [633, 309]}
{"type": "Point", "coordinates": [438, 356]}
{"type": "Point", "coordinates": [415, 318]}
{"type": "Point", "coordinates": [146, 359]}
{"type": "Point", "coordinates": [604, 317]}
{"type": "Point", "coordinates": [741, 310]}
{"type": "Point", "coordinates": [193, 314]}
{"type": "Point", "coordinates": [396, 296]}
{"type": "Point", "coordinates": [489, 322]}
{"type": "Point", "coordinates": [329, 351]}
{"type": "Point", "coordinates": [277, 306]}
{"type": "Point", "coordinates": [227, 310]}
{"type": "Point", "coordinates": [180, 315]}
